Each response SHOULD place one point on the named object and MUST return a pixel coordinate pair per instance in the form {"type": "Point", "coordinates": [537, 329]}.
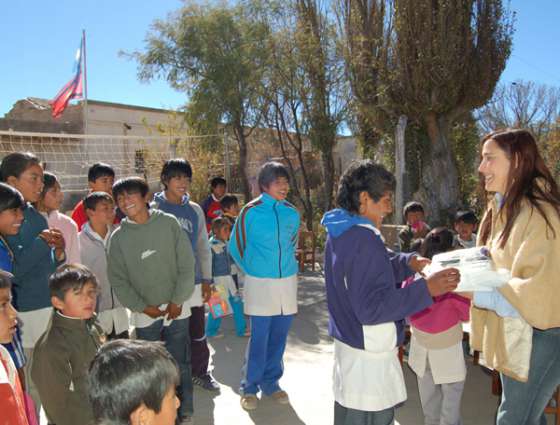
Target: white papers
{"type": "Point", "coordinates": [477, 269]}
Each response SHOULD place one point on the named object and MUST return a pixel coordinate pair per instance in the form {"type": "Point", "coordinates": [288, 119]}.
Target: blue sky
{"type": "Point", "coordinates": [38, 40]}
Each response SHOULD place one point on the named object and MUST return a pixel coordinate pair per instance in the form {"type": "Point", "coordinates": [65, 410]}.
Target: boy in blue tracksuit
{"type": "Point", "coordinates": [263, 244]}
{"type": "Point", "coordinates": [176, 175]}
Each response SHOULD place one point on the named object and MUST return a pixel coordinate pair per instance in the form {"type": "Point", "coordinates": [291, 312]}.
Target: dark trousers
{"type": "Point", "coordinates": [200, 354]}
{"type": "Point", "coordinates": [346, 416]}
{"type": "Point", "coordinates": [176, 340]}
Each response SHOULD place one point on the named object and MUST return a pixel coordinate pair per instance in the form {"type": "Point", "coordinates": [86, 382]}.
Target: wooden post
{"type": "Point", "coordinates": [400, 167]}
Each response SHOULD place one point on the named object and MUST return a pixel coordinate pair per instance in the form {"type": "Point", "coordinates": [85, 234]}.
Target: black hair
{"type": "Point", "coordinates": [413, 206]}
{"type": "Point", "coordinates": [437, 241]}
{"type": "Point", "coordinates": [94, 198]}
{"type": "Point", "coordinates": [176, 167]}
{"type": "Point", "coordinates": [5, 279]}
{"type": "Point", "coordinates": [363, 176]}
{"type": "Point", "coordinates": [217, 181]}
{"type": "Point", "coordinates": [126, 374]}
{"type": "Point", "coordinates": [219, 223]}
{"type": "Point", "coordinates": [49, 181]}
{"type": "Point", "coordinates": [100, 169]}
{"type": "Point", "coordinates": [10, 198]}
{"type": "Point", "coordinates": [16, 163]}
{"type": "Point", "coordinates": [70, 277]}
{"type": "Point", "coordinates": [468, 217]}
{"type": "Point", "coordinates": [270, 172]}
{"type": "Point", "coordinates": [228, 201]}
{"type": "Point", "coordinates": [130, 185]}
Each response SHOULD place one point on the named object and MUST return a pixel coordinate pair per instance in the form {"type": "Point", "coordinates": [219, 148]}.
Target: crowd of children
{"type": "Point", "coordinates": [130, 260]}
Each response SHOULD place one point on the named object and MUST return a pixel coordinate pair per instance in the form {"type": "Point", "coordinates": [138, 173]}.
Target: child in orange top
{"type": "Point", "coordinates": [12, 404]}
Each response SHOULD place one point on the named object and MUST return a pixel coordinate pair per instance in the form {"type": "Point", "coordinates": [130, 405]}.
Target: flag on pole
{"type": "Point", "coordinates": [73, 89]}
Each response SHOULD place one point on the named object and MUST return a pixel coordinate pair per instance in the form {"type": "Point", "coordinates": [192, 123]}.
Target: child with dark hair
{"type": "Point", "coordinates": [11, 217]}
{"type": "Point", "coordinates": [416, 227]}
{"type": "Point", "coordinates": [151, 267]}
{"type": "Point", "coordinates": [366, 306]}
{"type": "Point", "coordinates": [263, 244]}
{"type": "Point", "coordinates": [175, 177]}
{"type": "Point", "coordinates": [37, 251]}
{"type": "Point", "coordinates": [132, 382]}
{"type": "Point", "coordinates": [465, 225]}
{"type": "Point", "coordinates": [63, 353]}
{"type": "Point", "coordinates": [222, 276]}
{"type": "Point", "coordinates": [94, 241]}
{"type": "Point", "coordinates": [230, 207]}
{"type": "Point", "coordinates": [100, 179]}
{"type": "Point", "coordinates": [436, 348]}
{"type": "Point", "coordinates": [48, 205]}
{"type": "Point", "coordinates": [12, 402]}
{"type": "Point", "coordinates": [211, 205]}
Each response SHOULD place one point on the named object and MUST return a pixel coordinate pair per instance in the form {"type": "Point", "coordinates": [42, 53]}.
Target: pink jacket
{"type": "Point", "coordinates": [69, 230]}
{"type": "Point", "coordinates": [446, 311]}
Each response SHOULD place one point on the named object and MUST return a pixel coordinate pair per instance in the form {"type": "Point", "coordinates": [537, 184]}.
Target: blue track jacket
{"type": "Point", "coordinates": [264, 239]}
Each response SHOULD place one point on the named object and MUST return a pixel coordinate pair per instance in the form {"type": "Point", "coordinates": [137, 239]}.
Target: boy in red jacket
{"type": "Point", "coordinates": [211, 205]}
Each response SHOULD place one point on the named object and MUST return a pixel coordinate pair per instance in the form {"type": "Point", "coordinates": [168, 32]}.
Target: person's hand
{"type": "Point", "coordinates": [206, 291]}
{"type": "Point", "coordinates": [57, 239]}
{"type": "Point", "coordinates": [46, 236]}
{"type": "Point", "coordinates": [53, 238]}
{"type": "Point", "coordinates": [443, 281]}
{"type": "Point", "coordinates": [173, 311]}
{"type": "Point", "coordinates": [153, 311]}
{"type": "Point", "coordinates": [417, 263]}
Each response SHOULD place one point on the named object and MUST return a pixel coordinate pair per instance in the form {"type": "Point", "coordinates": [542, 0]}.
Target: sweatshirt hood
{"type": "Point", "coordinates": [339, 220]}
{"type": "Point", "coordinates": [161, 199]}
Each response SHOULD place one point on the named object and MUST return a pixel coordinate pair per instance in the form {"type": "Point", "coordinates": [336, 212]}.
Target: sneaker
{"type": "Point", "coordinates": [280, 397]}
{"type": "Point", "coordinates": [206, 382]}
{"type": "Point", "coordinates": [249, 401]}
{"type": "Point", "coordinates": [187, 420]}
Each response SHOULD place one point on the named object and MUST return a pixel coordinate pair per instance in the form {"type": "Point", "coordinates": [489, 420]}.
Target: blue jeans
{"type": "Point", "coordinates": [523, 403]}
{"type": "Point", "coordinates": [263, 366]}
{"type": "Point", "coordinates": [346, 416]}
{"type": "Point", "coordinates": [177, 342]}
{"type": "Point", "coordinates": [213, 325]}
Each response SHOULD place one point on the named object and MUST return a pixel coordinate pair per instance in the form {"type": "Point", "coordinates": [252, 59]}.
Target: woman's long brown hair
{"type": "Point", "coordinates": [529, 178]}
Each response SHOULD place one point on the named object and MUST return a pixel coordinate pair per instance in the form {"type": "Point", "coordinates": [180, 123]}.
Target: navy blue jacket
{"type": "Point", "coordinates": [363, 280]}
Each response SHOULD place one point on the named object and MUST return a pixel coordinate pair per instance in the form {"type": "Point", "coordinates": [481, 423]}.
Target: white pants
{"type": "Point", "coordinates": [441, 403]}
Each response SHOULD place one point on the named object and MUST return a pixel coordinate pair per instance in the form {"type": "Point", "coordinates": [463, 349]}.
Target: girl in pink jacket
{"type": "Point", "coordinates": [436, 349]}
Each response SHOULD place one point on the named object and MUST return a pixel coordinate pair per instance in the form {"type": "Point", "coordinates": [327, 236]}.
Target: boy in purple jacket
{"type": "Point", "coordinates": [366, 305]}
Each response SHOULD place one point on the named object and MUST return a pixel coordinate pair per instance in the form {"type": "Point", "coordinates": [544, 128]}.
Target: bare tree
{"type": "Point", "coordinates": [325, 105]}
{"type": "Point", "coordinates": [523, 104]}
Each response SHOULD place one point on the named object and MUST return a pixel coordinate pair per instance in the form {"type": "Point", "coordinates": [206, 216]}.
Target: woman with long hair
{"type": "Point", "coordinates": [517, 327]}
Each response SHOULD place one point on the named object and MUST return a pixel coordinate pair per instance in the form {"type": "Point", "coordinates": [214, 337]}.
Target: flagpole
{"type": "Point", "coordinates": [85, 103]}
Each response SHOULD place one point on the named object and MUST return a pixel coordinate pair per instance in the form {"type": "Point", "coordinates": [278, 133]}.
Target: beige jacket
{"type": "Point", "coordinates": [531, 254]}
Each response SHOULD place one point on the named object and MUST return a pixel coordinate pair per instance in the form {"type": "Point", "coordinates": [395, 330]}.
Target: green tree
{"type": "Point", "coordinates": [217, 55]}
{"type": "Point", "coordinates": [446, 60]}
